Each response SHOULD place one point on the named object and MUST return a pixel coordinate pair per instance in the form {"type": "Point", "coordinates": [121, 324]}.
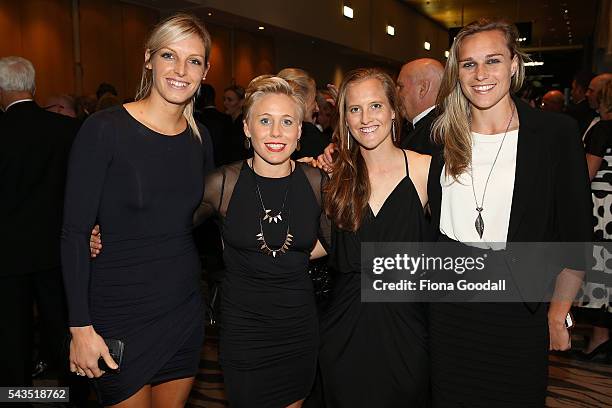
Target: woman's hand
{"type": "Point", "coordinates": [560, 339]}
{"type": "Point", "coordinates": [86, 348]}
{"type": "Point", "coordinates": [325, 160]}
{"type": "Point", "coordinates": [95, 242]}
{"type": "Point", "coordinates": [309, 160]}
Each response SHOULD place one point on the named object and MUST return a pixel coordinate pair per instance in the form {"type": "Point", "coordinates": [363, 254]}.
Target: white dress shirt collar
{"type": "Point", "coordinates": [422, 115]}
{"type": "Point", "coordinates": [16, 102]}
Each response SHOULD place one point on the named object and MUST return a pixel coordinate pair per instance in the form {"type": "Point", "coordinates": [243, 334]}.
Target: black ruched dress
{"type": "Point", "coordinates": [269, 333]}
{"type": "Point", "coordinates": [142, 188]}
{"type": "Point", "coordinates": [375, 354]}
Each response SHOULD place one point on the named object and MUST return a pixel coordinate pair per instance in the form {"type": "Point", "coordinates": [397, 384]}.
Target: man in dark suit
{"type": "Point", "coordinates": [579, 109]}
{"type": "Point", "coordinates": [418, 84]}
{"type": "Point", "coordinates": [34, 147]}
{"type": "Point", "coordinates": [219, 124]}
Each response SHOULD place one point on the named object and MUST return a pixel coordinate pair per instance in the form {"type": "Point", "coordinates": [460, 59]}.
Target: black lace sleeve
{"type": "Point", "coordinates": [211, 201]}
{"type": "Point", "coordinates": [218, 189]}
{"type": "Point", "coordinates": [318, 180]}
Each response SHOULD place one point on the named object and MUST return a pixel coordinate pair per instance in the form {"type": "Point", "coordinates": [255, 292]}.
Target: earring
{"type": "Point", "coordinates": [393, 136]}
{"type": "Point", "coordinates": [298, 147]}
{"type": "Point", "coordinates": [247, 143]}
{"type": "Point", "coordinates": [348, 140]}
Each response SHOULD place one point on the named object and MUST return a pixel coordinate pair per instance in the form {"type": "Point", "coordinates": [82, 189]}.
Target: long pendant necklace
{"type": "Point", "coordinates": [265, 248]}
{"type": "Point", "coordinates": [479, 223]}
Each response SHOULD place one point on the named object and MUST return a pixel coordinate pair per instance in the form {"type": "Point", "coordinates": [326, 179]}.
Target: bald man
{"type": "Point", "coordinates": [591, 94]}
{"type": "Point", "coordinates": [553, 101]}
{"type": "Point", "coordinates": [418, 84]}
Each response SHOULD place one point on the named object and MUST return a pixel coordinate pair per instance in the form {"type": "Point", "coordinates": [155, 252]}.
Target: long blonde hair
{"type": "Point", "coordinates": [348, 191]}
{"type": "Point", "coordinates": [452, 127]}
{"type": "Point", "coordinates": [175, 28]}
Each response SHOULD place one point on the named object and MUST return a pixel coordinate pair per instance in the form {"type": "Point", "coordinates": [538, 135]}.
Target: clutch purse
{"type": "Point", "coordinates": [115, 349]}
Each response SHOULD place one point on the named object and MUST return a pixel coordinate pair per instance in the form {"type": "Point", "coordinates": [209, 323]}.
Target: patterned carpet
{"type": "Point", "coordinates": [572, 383]}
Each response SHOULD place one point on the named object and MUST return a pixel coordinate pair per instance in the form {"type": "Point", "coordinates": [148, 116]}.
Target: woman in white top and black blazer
{"type": "Point", "coordinates": [495, 354]}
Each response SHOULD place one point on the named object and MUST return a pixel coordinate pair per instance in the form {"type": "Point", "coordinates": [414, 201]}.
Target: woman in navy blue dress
{"type": "Point", "coordinates": [137, 170]}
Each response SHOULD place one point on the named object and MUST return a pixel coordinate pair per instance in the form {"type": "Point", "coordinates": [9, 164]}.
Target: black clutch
{"type": "Point", "coordinates": [115, 349]}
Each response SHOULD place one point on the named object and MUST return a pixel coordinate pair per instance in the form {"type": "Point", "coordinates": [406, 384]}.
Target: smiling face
{"type": "Point", "coordinates": [274, 127]}
{"type": "Point", "coordinates": [178, 70]}
{"type": "Point", "coordinates": [485, 68]}
{"type": "Point", "coordinates": [368, 113]}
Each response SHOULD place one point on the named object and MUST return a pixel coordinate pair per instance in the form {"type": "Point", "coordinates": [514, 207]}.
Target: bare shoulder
{"type": "Point", "coordinates": [418, 162]}
{"type": "Point", "coordinates": [418, 165]}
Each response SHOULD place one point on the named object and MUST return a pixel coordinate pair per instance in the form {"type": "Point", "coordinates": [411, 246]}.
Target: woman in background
{"type": "Point", "coordinates": [233, 100]}
{"type": "Point", "coordinates": [596, 304]}
{"type": "Point", "coordinates": [312, 141]}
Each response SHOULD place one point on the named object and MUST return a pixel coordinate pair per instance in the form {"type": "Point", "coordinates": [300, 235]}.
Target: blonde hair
{"type": "Point", "coordinates": [302, 79]}
{"type": "Point", "coordinates": [604, 96]}
{"type": "Point", "coordinates": [175, 28]}
{"type": "Point", "coordinates": [452, 127]}
{"type": "Point", "coordinates": [269, 84]}
{"type": "Point", "coordinates": [348, 191]}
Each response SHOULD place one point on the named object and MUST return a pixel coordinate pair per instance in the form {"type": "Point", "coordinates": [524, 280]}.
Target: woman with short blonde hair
{"type": "Point", "coordinates": [271, 217]}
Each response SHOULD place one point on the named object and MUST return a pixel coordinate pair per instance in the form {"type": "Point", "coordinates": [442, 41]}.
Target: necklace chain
{"type": "Point", "coordinates": [260, 236]}
{"type": "Point", "coordinates": [479, 223]}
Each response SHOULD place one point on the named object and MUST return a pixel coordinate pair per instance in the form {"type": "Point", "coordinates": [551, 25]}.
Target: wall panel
{"type": "Point", "coordinates": [137, 23]}
{"type": "Point", "coordinates": [220, 74]}
{"type": "Point", "coordinates": [102, 55]}
{"type": "Point", "coordinates": [10, 28]}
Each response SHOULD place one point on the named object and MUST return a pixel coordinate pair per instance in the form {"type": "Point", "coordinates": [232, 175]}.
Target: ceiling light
{"type": "Point", "coordinates": [534, 63]}
{"type": "Point", "coordinates": [390, 30]}
{"type": "Point", "coordinates": [347, 12]}
{"type": "Point", "coordinates": [446, 54]}
{"type": "Point", "coordinates": [261, 28]}
{"type": "Point", "coordinates": [209, 14]}
{"type": "Point", "coordinates": [427, 45]}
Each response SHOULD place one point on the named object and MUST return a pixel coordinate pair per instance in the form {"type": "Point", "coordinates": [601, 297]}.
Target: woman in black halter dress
{"type": "Point", "coordinates": [374, 354]}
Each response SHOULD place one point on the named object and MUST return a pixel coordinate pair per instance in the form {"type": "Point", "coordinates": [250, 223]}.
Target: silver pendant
{"type": "Point", "coordinates": [479, 224]}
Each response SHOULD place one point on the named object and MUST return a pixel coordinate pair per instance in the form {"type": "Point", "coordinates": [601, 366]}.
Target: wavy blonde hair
{"type": "Point", "coordinates": [348, 191]}
{"type": "Point", "coordinates": [452, 127]}
{"type": "Point", "coordinates": [175, 28]}
{"type": "Point", "coordinates": [270, 84]}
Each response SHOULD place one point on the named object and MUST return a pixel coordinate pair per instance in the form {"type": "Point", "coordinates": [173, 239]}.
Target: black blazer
{"type": "Point", "coordinates": [34, 147]}
{"type": "Point", "coordinates": [418, 138]}
{"type": "Point", "coordinates": [551, 201]}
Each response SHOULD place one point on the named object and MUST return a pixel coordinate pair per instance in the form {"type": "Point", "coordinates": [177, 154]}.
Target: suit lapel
{"type": "Point", "coordinates": [528, 157]}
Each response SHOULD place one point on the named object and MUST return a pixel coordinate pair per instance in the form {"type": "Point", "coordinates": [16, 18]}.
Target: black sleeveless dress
{"type": "Point", "coordinates": [375, 354]}
{"type": "Point", "coordinates": [269, 334]}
